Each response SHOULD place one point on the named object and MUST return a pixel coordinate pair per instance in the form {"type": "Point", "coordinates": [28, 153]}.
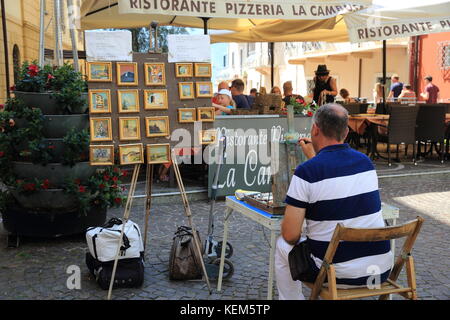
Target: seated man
{"type": "Point", "coordinates": [237, 90]}
{"type": "Point", "coordinates": [336, 185]}
{"type": "Point", "coordinates": [407, 95]}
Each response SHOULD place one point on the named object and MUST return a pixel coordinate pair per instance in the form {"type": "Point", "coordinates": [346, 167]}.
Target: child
{"type": "Point", "coordinates": [224, 105]}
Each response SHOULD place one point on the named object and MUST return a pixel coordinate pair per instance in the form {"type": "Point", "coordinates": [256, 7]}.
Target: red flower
{"type": "Point", "coordinates": [106, 177]}
{"type": "Point", "coordinates": [81, 189]}
{"type": "Point", "coordinates": [310, 114]}
{"type": "Point", "coordinates": [115, 179]}
{"type": "Point", "coordinates": [118, 200]}
{"type": "Point", "coordinates": [45, 184]}
{"type": "Point", "coordinates": [101, 186]}
{"type": "Point", "coordinates": [124, 173]}
{"type": "Point", "coordinates": [2, 106]}
{"type": "Point", "coordinates": [33, 70]}
{"type": "Point", "coordinates": [13, 88]}
{"type": "Point", "coordinates": [50, 77]}
{"type": "Point", "coordinates": [116, 170]}
{"type": "Point", "coordinates": [2, 154]}
{"type": "Point", "coordinates": [29, 187]}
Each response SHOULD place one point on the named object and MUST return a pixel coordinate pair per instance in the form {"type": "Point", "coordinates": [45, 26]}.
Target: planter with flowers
{"type": "Point", "coordinates": [49, 188]}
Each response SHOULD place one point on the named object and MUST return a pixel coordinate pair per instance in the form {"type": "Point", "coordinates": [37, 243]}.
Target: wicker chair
{"type": "Point", "coordinates": [430, 127]}
{"type": "Point", "coordinates": [401, 129]}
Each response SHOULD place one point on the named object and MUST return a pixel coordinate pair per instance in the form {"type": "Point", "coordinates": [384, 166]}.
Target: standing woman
{"type": "Point", "coordinates": [325, 86]}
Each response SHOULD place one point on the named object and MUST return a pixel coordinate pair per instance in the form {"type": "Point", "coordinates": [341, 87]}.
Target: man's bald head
{"type": "Point", "coordinates": [332, 120]}
{"type": "Point", "coordinates": [223, 85]}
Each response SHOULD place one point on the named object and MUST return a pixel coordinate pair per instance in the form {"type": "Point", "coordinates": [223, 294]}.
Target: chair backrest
{"type": "Point", "coordinates": [402, 124]}
{"type": "Point", "coordinates": [430, 124]}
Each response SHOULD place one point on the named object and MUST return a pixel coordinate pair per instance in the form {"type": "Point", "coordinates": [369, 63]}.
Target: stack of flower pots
{"type": "Point", "coordinates": [46, 208]}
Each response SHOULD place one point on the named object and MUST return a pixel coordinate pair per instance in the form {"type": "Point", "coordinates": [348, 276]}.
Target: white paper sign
{"type": "Point", "coordinates": [109, 45]}
{"type": "Point", "coordinates": [189, 48]}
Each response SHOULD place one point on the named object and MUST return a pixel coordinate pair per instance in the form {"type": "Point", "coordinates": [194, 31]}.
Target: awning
{"type": "Point", "coordinates": [237, 15]}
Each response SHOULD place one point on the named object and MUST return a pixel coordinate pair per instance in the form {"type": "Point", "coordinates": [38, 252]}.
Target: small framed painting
{"type": "Point", "coordinates": [101, 155]}
{"type": "Point", "coordinates": [131, 153]}
{"type": "Point", "coordinates": [158, 153]}
{"type": "Point", "coordinates": [155, 74]}
{"type": "Point", "coordinates": [207, 136]}
{"type": "Point", "coordinates": [157, 126]}
{"type": "Point", "coordinates": [203, 70]}
{"type": "Point", "coordinates": [99, 71]}
{"type": "Point", "coordinates": [186, 115]}
{"type": "Point", "coordinates": [127, 74]}
{"type": "Point", "coordinates": [100, 101]}
{"type": "Point", "coordinates": [204, 89]}
{"type": "Point", "coordinates": [206, 114]}
{"type": "Point", "coordinates": [129, 128]}
{"type": "Point", "coordinates": [156, 100]}
{"type": "Point", "coordinates": [128, 101]}
{"type": "Point", "coordinates": [101, 129]}
{"type": "Point", "coordinates": [183, 70]}
{"type": "Point", "coordinates": [186, 90]}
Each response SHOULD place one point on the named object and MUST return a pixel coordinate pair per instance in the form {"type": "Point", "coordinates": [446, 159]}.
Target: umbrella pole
{"type": "Point", "coordinates": [384, 75]}
{"type": "Point", "coordinates": [271, 46]}
{"type": "Point", "coordinates": [205, 25]}
{"type": "Point", "coordinates": [5, 44]}
{"type": "Point", "coordinates": [76, 63]}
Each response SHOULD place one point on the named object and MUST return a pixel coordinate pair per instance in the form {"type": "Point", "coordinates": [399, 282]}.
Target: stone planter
{"type": "Point", "coordinates": [55, 172]}
{"type": "Point", "coordinates": [32, 223]}
{"type": "Point", "coordinates": [49, 200]}
{"type": "Point", "coordinates": [57, 126]}
{"type": "Point", "coordinates": [57, 146]}
{"type": "Point", "coordinates": [47, 103]}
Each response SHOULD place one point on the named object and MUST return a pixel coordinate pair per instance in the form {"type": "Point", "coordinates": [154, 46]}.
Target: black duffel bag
{"type": "Point", "coordinates": [184, 261]}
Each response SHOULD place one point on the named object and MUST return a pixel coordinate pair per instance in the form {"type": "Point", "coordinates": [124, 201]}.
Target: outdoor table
{"type": "Point", "coordinates": [273, 223]}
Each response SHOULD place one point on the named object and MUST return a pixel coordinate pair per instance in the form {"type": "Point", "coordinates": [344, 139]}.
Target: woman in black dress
{"type": "Point", "coordinates": [324, 86]}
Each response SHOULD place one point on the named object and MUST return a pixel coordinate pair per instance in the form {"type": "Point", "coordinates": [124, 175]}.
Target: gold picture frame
{"type": "Point", "coordinates": [202, 70]}
{"type": "Point", "coordinates": [99, 71]}
{"type": "Point", "coordinates": [129, 128]}
{"type": "Point", "coordinates": [204, 89]}
{"type": "Point", "coordinates": [186, 90]}
{"type": "Point", "coordinates": [156, 99]}
{"type": "Point", "coordinates": [207, 136]}
{"type": "Point", "coordinates": [128, 101]}
{"type": "Point", "coordinates": [157, 126]}
{"type": "Point", "coordinates": [183, 115]}
{"type": "Point", "coordinates": [206, 114]}
{"type": "Point", "coordinates": [100, 101]}
{"type": "Point", "coordinates": [101, 129]}
{"type": "Point", "coordinates": [158, 153]}
{"type": "Point", "coordinates": [127, 73]}
{"type": "Point", "coordinates": [131, 153]}
{"type": "Point", "coordinates": [101, 155]}
{"type": "Point", "coordinates": [155, 74]}
{"type": "Point", "coordinates": [184, 70]}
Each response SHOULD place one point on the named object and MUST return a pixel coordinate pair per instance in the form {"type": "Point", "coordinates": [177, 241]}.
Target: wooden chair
{"type": "Point", "coordinates": [410, 230]}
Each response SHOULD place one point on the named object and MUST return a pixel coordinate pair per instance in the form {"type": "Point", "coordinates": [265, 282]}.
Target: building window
{"type": "Point", "coordinates": [232, 60]}
{"type": "Point", "coordinates": [16, 62]}
{"type": "Point", "coordinates": [446, 59]}
{"type": "Point", "coordinates": [250, 48]}
{"type": "Point", "coordinates": [444, 55]}
{"type": "Point", "coordinates": [225, 61]}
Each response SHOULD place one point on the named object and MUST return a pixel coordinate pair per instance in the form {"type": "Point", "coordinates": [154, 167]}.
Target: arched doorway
{"type": "Point", "coordinates": [16, 62]}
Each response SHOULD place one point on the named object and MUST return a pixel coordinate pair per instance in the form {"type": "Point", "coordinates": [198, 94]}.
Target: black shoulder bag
{"type": "Point", "coordinates": [301, 264]}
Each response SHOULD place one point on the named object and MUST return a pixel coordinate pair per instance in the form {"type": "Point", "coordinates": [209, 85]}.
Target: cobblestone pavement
{"type": "Point", "coordinates": [37, 269]}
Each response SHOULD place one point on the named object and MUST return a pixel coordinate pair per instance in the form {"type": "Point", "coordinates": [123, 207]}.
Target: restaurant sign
{"type": "Point", "coordinates": [247, 9]}
{"type": "Point", "coordinates": [248, 150]}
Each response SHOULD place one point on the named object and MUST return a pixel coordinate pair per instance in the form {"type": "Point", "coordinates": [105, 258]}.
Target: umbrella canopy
{"type": "Point", "coordinates": [387, 24]}
{"type": "Point", "coordinates": [237, 15]}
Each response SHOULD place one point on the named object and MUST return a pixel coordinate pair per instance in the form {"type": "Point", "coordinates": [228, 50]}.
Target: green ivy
{"type": "Point", "coordinates": [76, 146]}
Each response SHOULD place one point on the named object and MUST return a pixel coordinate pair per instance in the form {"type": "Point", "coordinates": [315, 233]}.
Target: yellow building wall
{"type": "Point", "coordinates": [22, 24]}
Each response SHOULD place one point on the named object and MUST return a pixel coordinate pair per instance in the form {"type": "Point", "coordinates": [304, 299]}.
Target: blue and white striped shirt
{"type": "Point", "coordinates": [340, 185]}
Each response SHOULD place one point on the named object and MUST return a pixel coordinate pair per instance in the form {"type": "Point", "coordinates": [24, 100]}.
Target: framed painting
{"type": "Point", "coordinates": [158, 153]}
{"type": "Point", "coordinates": [203, 70]}
{"type": "Point", "coordinates": [101, 155]}
{"type": "Point", "coordinates": [129, 128]}
{"type": "Point", "coordinates": [207, 136]}
{"type": "Point", "coordinates": [131, 153]}
{"type": "Point", "coordinates": [99, 71]}
{"type": "Point", "coordinates": [186, 115]}
{"type": "Point", "coordinates": [156, 99]}
{"type": "Point", "coordinates": [128, 101]}
{"type": "Point", "coordinates": [206, 114]}
{"type": "Point", "coordinates": [127, 74]}
{"type": "Point", "coordinates": [101, 129]}
{"type": "Point", "coordinates": [155, 74]}
{"type": "Point", "coordinates": [100, 101]}
{"type": "Point", "coordinates": [204, 89]}
{"type": "Point", "coordinates": [186, 90]}
{"type": "Point", "coordinates": [183, 70]}
{"type": "Point", "coordinates": [157, 126]}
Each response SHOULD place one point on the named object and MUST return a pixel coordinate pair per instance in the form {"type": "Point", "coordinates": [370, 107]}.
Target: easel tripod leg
{"type": "Point", "coordinates": [224, 246]}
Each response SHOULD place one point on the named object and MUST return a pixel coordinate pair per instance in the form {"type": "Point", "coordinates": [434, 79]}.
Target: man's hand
{"type": "Point", "coordinates": [307, 147]}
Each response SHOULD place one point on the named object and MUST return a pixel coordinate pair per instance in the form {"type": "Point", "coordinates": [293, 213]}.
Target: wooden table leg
{"type": "Point", "coordinates": [271, 264]}
{"type": "Point", "coordinates": [228, 213]}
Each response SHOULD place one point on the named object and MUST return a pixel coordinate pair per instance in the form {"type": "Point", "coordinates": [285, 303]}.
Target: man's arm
{"type": "Point", "coordinates": [291, 226]}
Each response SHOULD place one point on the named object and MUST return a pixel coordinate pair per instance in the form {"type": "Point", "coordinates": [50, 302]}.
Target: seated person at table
{"type": "Point", "coordinates": [237, 91]}
{"type": "Point", "coordinates": [224, 105]}
{"type": "Point", "coordinates": [275, 90]}
{"type": "Point", "coordinates": [287, 90]}
{"type": "Point", "coordinates": [346, 96]}
{"type": "Point", "coordinates": [407, 95]}
{"type": "Point", "coordinates": [336, 185]}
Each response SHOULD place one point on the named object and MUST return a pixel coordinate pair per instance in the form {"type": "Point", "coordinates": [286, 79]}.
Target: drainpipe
{"type": "Point", "coordinates": [5, 44]}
